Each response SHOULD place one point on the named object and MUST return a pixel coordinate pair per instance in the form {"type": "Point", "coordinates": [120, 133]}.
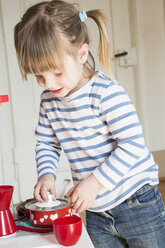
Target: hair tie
{"type": "Point", "coordinates": [82, 16]}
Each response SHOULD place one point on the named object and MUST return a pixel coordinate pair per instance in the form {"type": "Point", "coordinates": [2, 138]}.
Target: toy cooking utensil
{"type": "Point", "coordinates": [7, 224]}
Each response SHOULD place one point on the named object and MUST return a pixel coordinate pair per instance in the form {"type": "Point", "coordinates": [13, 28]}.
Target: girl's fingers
{"type": "Point", "coordinates": [36, 194]}
{"type": "Point", "coordinates": [82, 207]}
{"type": "Point", "coordinates": [53, 193]}
{"type": "Point", "coordinates": [69, 193]}
{"type": "Point", "coordinates": [44, 193]}
{"type": "Point", "coordinates": [77, 204]}
{"type": "Point", "coordinates": [41, 193]}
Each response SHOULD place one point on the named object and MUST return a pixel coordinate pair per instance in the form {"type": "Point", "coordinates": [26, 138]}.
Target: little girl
{"type": "Point", "coordinates": [90, 117]}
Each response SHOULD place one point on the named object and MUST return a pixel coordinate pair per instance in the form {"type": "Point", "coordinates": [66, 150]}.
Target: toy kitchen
{"type": "Point", "coordinates": [35, 224]}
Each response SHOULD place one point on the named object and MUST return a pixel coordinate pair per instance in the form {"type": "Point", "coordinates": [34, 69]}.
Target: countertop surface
{"type": "Point", "coordinates": [24, 239]}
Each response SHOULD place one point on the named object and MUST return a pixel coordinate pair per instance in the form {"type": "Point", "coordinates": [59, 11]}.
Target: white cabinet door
{"type": "Point", "coordinates": [8, 172]}
{"type": "Point", "coordinates": [123, 39]}
{"type": "Point", "coordinates": [139, 29]}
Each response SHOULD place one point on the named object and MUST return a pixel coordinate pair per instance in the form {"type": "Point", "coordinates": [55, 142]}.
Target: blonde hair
{"type": "Point", "coordinates": [50, 29]}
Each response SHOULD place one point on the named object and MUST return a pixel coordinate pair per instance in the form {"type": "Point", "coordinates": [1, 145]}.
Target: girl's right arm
{"type": "Point", "coordinates": [47, 156]}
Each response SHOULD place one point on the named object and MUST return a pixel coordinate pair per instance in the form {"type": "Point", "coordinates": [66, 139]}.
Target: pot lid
{"type": "Point", "coordinates": [32, 206]}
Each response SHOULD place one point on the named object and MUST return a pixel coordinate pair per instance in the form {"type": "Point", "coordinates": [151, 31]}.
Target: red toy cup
{"type": "Point", "coordinates": [67, 230]}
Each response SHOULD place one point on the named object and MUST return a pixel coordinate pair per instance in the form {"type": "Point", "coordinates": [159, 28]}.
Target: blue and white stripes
{"type": "Point", "coordinates": [99, 131]}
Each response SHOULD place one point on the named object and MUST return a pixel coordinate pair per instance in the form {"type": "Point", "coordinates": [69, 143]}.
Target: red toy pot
{"type": "Point", "coordinates": [43, 217]}
{"type": "Point", "coordinates": [67, 230]}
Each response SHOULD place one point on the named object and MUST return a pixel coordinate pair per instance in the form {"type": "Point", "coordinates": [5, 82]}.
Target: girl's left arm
{"type": "Point", "coordinates": [120, 115]}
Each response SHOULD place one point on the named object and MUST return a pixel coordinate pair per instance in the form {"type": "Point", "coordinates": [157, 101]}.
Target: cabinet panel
{"type": "Point", "coordinates": [8, 171]}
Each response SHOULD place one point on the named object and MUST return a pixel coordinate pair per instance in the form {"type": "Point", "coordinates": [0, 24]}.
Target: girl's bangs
{"type": "Point", "coordinates": [36, 61]}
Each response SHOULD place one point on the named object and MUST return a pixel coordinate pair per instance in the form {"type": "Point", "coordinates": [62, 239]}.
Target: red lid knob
{"type": "Point", "coordinates": [4, 98]}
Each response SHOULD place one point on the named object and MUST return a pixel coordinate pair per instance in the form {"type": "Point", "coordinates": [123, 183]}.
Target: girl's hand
{"type": "Point", "coordinates": [44, 185]}
{"type": "Point", "coordinates": [84, 193]}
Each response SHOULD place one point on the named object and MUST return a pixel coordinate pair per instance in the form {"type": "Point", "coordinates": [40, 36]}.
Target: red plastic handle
{"type": "Point", "coordinates": [4, 98]}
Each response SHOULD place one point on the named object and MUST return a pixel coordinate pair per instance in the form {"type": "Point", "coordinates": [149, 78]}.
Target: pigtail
{"type": "Point", "coordinates": [104, 44]}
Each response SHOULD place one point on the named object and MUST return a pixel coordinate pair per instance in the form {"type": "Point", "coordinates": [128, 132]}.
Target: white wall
{"type": "Point", "coordinates": [150, 24]}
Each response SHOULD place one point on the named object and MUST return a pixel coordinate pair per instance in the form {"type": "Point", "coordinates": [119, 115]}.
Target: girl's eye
{"type": "Point", "coordinates": [58, 74]}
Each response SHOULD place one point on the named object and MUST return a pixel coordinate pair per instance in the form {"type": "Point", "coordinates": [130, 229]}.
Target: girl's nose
{"type": "Point", "coordinates": [50, 82]}
{"type": "Point", "coordinates": [49, 88]}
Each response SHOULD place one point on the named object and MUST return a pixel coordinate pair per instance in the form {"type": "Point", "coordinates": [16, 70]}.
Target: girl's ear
{"type": "Point", "coordinates": [83, 53]}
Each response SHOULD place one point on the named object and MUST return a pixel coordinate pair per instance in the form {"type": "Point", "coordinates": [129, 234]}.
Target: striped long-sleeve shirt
{"type": "Point", "coordinates": [99, 131]}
